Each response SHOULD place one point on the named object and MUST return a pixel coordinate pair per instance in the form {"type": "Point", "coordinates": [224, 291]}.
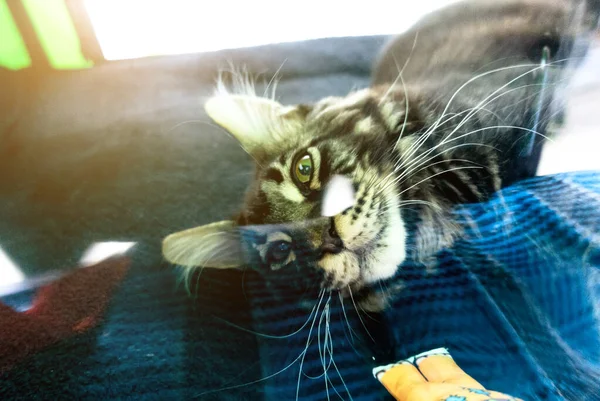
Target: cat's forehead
{"type": "Point", "coordinates": [338, 134]}
{"type": "Point", "coordinates": [363, 112]}
{"type": "Point", "coordinates": [334, 127]}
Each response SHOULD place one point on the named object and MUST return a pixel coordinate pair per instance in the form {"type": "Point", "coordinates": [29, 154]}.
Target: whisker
{"type": "Point", "coordinates": [273, 79]}
{"type": "Point", "coordinates": [300, 358]}
{"type": "Point", "coordinates": [471, 112]}
{"type": "Point", "coordinates": [406, 101]}
{"type": "Point", "coordinates": [254, 381]}
{"type": "Point", "coordinates": [336, 390]}
{"type": "Point", "coordinates": [492, 94]}
{"type": "Point", "coordinates": [358, 314]}
{"type": "Point", "coordinates": [478, 107]}
{"type": "Point", "coordinates": [436, 174]}
{"type": "Point", "coordinates": [192, 122]}
{"type": "Point", "coordinates": [350, 329]}
{"type": "Point", "coordinates": [325, 345]}
{"type": "Point", "coordinates": [415, 169]}
{"type": "Point", "coordinates": [338, 371]}
{"type": "Point", "coordinates": [270, 335]}
{"type": "Point", "coordinates": [416, 202]}
{"type": "Point", "coordinates": [536, 67]}
{"type": "Point", "coordinates": [401, 176]}
{"type": "Point", "coordinates": [400, 70]}
{"type": "Point", "coordinates": [444, 142]}
{"type": "Point", "coordinates": [326, 341]}
{"type": "Point", "coordinates": [303, 354]}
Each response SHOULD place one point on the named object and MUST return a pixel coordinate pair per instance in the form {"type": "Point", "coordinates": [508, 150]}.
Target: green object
{"type": "Point", "coordinates": [54, 28]}
{"type": "Point", "coordinates": [52, 24]}
{"type": "Point", "coordinates": [13, 52]}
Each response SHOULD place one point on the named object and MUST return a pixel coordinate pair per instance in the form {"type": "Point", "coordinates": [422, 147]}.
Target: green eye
{"type": "Point", "coordinates": [304, 169]}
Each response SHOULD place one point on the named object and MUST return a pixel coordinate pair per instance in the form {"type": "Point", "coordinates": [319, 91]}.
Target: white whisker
{"type": "Point", "coordinates": [491, 95]}
{"type": "Point", "coordinates": [273, 82]}
{"type": "Point", "coordinates": [402, 176]}
{"type": "Point", "coordinates": [486, 74]}
{"type": "Point", "coordinates": [470, 113]}
{"type": "Point", "coordinates": [400, 71]}
{"type": "Point", "coordinates": [350, 329]}
{"type": "Point", "coordinates": [441, 172]}
{"type": "Point", "coordinates": [270, 335]}
{"type": "Point", "coordinates": [254, 381]}
{"type": "Point", "coordinates": [358, 314]}
{"type": "Point", "coordinates": [303, 354]}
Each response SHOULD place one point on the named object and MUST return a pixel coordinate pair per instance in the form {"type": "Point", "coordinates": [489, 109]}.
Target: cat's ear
{"type": "Point", "coordinates": [215, 245]}
{"type": "Point", "coordinates": [259, 124]}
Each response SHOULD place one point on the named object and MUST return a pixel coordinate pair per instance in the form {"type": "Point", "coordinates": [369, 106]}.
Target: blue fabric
{"type": "Point", "coordinates": [157, 342]}
{"type": "Point", "coordinates": [515, 300]}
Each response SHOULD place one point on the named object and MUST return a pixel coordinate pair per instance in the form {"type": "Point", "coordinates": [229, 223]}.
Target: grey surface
{"type": "Point", "coordinates": [125, 152]}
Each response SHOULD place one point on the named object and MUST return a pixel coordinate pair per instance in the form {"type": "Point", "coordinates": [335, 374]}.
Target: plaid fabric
{"type": "Point", "coordinates": [157, 342]}
{"type": "Point", "coordinates": [514, 301]}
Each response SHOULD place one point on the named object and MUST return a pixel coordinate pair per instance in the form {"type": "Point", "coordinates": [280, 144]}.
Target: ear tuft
{"type": "Point", "coordinates": [258, 123]}
{"type": "Point", "coordinates": [217, 245]}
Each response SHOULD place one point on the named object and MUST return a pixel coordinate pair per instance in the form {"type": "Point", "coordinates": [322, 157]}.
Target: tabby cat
{"type": "Point", "coordinates": [447, 120]}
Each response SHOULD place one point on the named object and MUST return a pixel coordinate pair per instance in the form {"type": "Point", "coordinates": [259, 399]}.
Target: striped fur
{"type": "Point", "coordinates": [359, 137]}
{"type": "Point", "coordinates": [384, 143]}
{"type": "Point", "coordinates": [412, 149]}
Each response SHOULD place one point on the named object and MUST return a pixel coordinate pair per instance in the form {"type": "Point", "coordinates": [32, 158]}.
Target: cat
{"type": "Point", "coordinates": [446, 121]}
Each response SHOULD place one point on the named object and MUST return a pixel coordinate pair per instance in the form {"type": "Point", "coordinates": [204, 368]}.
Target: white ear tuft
{"type": "Point", "coordinates": [259, 124]}
{"type": "Point", "coordinates": [215, 245]}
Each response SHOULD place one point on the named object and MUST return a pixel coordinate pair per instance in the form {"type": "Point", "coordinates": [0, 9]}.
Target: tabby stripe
{"type": "Point", "coordinates": [325, 167]}
{"type": "Point", "coordinates": [340, 131]}
{"type": "Point", "coordinates": [259, 209]}
{"type": "Point", "coordinates": [346, 170]}
{"type": "Point", "coordinates": [449, 185]}
{"type": "Point", "coordinates": [274, 174]}
{"type": "Point", "coordinates": [361, 151]}
{"type": "Point", "coordinates": [489, 177]}
{"type": "Point", "coordinates": [486, 182]}
{"type": "Point", "coordinates": [347, 127]}
{"type": "Point", "coordinates": [371, 109]}
{"type": "Point", "coordinates": [458, 181]}
{"type": "Point", "coordinates": [282, 159]}
{"type": "Point", "coordinates": [467, 178]}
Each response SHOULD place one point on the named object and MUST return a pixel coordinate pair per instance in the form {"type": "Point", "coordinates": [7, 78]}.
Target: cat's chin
{"type": "Point", "coordinates": [370, 300]}
{"type": "Point", "coordinates": [374, 261]}
{"type": "Point", "coordinates": [382, 261]}
{"type": "Point", "coordinates": [341, 269]}
{"type": "Point", "coordinates": [348, 270]}
{"type": "Point", "coordinates": [382, 271]}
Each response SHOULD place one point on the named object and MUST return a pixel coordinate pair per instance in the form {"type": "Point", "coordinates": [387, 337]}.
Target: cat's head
{"type": "Point", "coordinates": [300, 152]}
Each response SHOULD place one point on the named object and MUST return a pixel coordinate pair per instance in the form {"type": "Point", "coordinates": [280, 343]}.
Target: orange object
{"type": "Point", "coordinates": [433, 376]}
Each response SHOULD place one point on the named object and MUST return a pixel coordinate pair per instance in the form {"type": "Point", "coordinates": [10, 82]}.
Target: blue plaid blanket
{"type": "Point", "coordinates": [515, 300]}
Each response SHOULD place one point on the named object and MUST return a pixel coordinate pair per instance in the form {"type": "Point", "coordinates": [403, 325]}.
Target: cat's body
{"type": "Point", "coordinates": [452, 116]}
{"type": "Point", "coordinates": [449, 119]}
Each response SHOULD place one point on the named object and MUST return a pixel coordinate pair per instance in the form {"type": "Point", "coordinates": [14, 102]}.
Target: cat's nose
{"type": "Point", "coordinates": [332, 243]}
